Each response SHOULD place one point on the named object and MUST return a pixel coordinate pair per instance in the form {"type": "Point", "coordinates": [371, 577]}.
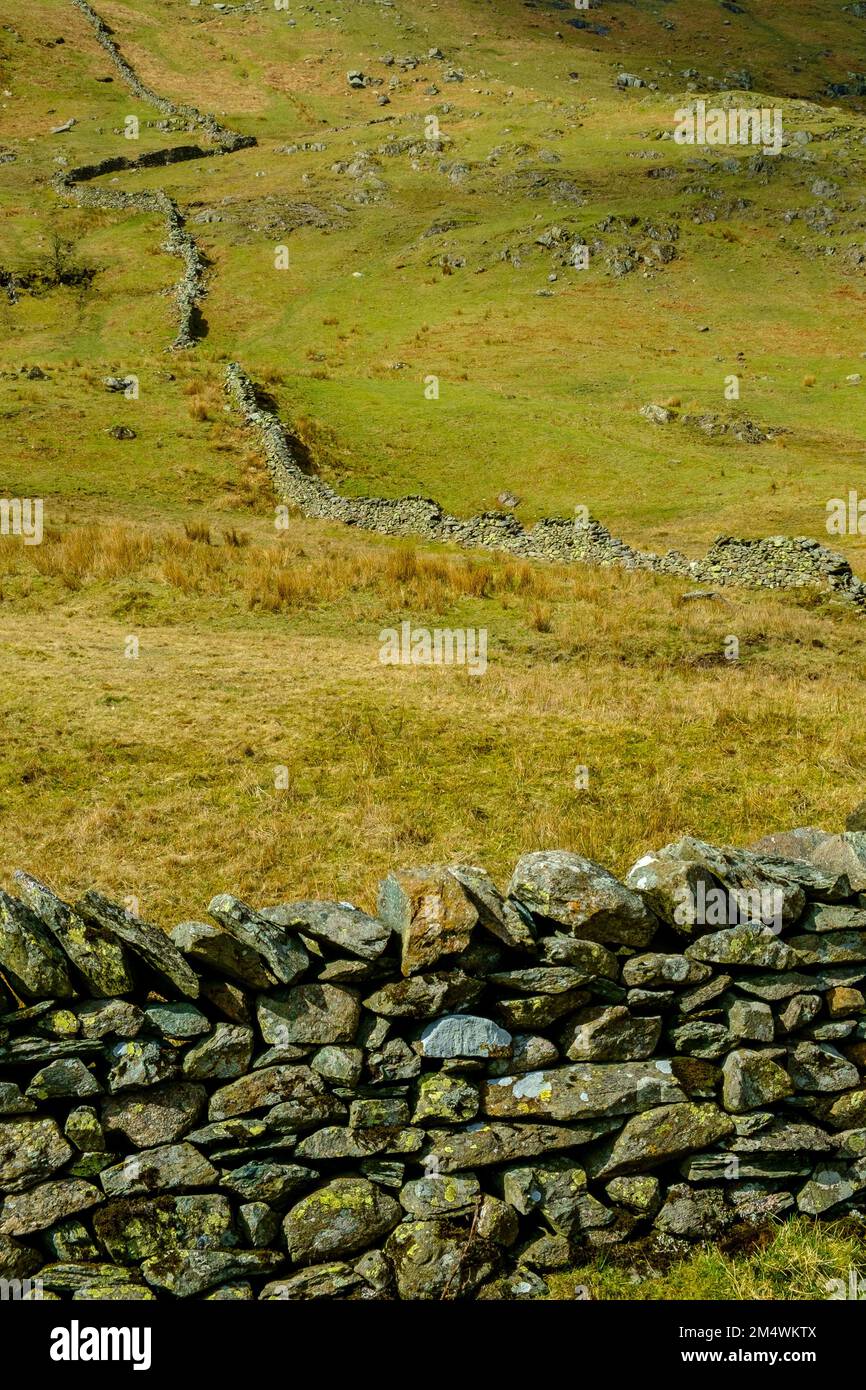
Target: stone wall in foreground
{"type": "Point", "coordinates": [445, 1100]}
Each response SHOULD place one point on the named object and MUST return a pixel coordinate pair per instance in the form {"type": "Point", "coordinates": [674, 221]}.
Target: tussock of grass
{"type": "Point", "coordinates": [795, 1260]}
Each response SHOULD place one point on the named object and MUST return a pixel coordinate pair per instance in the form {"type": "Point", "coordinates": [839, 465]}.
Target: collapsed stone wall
{"type": "Point", "coordinates": [191, 287]}
{"type": "Point", "coordinates": [775, 562]}
{"type": "Point", "coordinates": [444, 1100]}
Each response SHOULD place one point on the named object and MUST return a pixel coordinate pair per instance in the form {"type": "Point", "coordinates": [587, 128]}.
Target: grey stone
{"type": "Point", "coordinates": [146, 942]}
{"type": "Point", "coordinates": [582, 1091]}
{"type": "Point", "coordinates": [284, 955]}
{"type": "Point", "coordinates": [101, 961]}
{"type": "Point", "coordinates": [440, 1196]}
{"type": "Point", "coordinates": [744, 945]}
{"type": "Point", "coordinates": [177, 1020]}
{"type": "Point", "coordinates": [694, 1215]}
{"type": "Point", "coordinates": [343, 1217]}
{"type": "Point", "coordinates": [431, 912]}
{"type": "Point", "coordinates": [820, 1068]}
{"type": "Point", "coordinates": [610, 1035]}
{"type": "Point", "coordinates": [309, 1014]}
{"type": "Point", "coordinates": [29, 956]}
{"type": "Point", "coordinates": [295, 1090]}
{"type": "Point", "coordinates": [222, 953]}
{"type": "Point", "coordinates": [170, 1169]}
{"type": "Point", "coordinates": [339, 925]}
{"type": "Point", "coordinates": [267, 1182]}
{"type": "Point", "coordinates": [30, 1152]}
{"type": "Point", "coordinates": [654, 970]}
{"type": "Point", "coordinates": [224, 1055]}
{"type": "Point", "coordinates": [751, 1021]}
{"type": "Point", "coordinates": [65, 1079]}
{"type": "Point", "coordinates": [136, 1064]}
{"type": "Point", "coordinates": [659, 1136]}
{"type": "Point", "coordinates": [24, 1212]}
{"type": "Point", "coordinates": [190, 1272]}
{"type": "Point", "coordinates": [464, 1035]}
{"type": "Point", "coordinates": [582, 896]}
{"type": "Point", "coordinates": [113, 1018]}
{"type": "Point", "coordinates": [480, 1144]}
{"type": "Point", "coordinates": [752, 1080]}
{"type": "Point", "coordinates": [160, 1115]}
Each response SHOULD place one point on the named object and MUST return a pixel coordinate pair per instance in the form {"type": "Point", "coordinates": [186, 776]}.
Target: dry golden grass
{"type": "Point", "coordinates": [156, 775]}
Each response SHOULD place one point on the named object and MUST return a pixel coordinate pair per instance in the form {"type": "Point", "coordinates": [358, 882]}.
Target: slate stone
{"type": "Point", "coordinates": [802, 1010]}
{"type": "Point", "coordinates": [66, 1079]}
{"type": "Point", "coordinates": [830, 948]}
{"type": "Point", "coordinates": [482, 1144]}
{"type": "Point", "coordinates": [12, 1102]}
{"type": "Point", "coordinates": [343, 1217]}
{"type": "Point", "coordinates": [273, 1183]}
{"type": "Point", "coordinates": [101, 961]}
{"type": "Point", "coordinates": [541, 979]}
{"type": "Point", "coordinates": [661, 1135]}
{"type": "Point", "coordinates": [177, 1020]}
{"type": "Point", "coordinates": [172, 1168]}
{"type": "Point", "coordinates": [191, 1272]}
{"type": "Point", "coordinates": [610, 1035]}
{"type": "Point", "coordinates": [29, 956]}
{"type": "Point", "coordinates": [429, 1260]}
{"type": "Point", "coordinates": [529, 1052]}
{"type": "Point", "coordinates": [284, 955]}
{"type": "Point", "coordinates": [53, 1201]}
{"type": "Point", "coordinates": [752, 1080]}
{"type": "Point", "coordinates": [133, 1229]}
{"type": "Point", "coordinates": [83, 1129]}
{"type": "Point", "coordinates": [146, 942]}
{"type": "Point", "coordinates": [309, 1014]}
{"type": "Point", "coordinates": [30, 1152]}
{"type": "Point", "coordinates": [583, 1091]}
{"type": "Point", "coordinates": [464, 1035]}
{"type": "Point", "coordinates": [744, 946]}
{"type": "Point", "coordinates": [590, 957]}
{"type": "Point", "coordinates": [222, 953]}
{"type": "Point", "coordinates": [751, 1021]}
{"type": "Point", "coordinates": [296, 1090]}
{"type": "Point", "coordinates": [446, 1099]}
{"type": "Point", "coordinates": [224, 1055]}
{"type": "Point", "coordinates": [654, 970]}
{"type": "Point", "coordinates": [694, 1215]}
{"type": "Point", "coordinates": [820, 1068]}
{"type": "Point", "coordinates": [501, 918]}
{"type": "Point", "coordinates": [698, 1038]}
{"type": "Point", "coordinates": [440, 1196]}
{"type": "Point", "coordinates": [583, 897]}
{"type": "Point", "coordinates": [111, 1018]}
{"type": "Point", "coordinates": [339, 925]}
{"type": "Point", "coordinates": [158, 1115]}
{"type": "Point", "coordinates": [539, 1010]}
{"type": "Point", "coordinates": [140, 1063]}
{"type": "Point", "coordinates": [430, 911]}
{"type": "Point", "coordinates": [341, 1065]}
{"type": "Point", "coordinates": [424, 996]}
{"type": "Point", "coordinates": [330, 1280]}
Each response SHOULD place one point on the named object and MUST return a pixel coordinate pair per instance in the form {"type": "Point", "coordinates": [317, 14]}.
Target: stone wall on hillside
{"type": "Point", "coordinates": [774, 562]}
{"type": "Point", "coordinates": [447, 1099]}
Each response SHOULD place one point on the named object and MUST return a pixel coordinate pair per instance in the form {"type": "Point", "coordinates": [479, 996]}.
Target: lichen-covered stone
{"type": "Point", "coordinates": [444, 1098]}
{"type": "Point", "coordinates": [30, 1152]}
{"type": "Point", "coordinates": [610, 1035]}
{"type": "Point", "coordinates": [283, 954]}
{"type": "Point", "coordinates": [29, 955]}
{"type": "Point", "coordinates": [66, 1079]}
{"type": "Point", "coordinates": [222, 953]}
{"type": "Point", "coordinates": [430, 911]}
{"type": "Point", "coordinates": [582, 1091]}
{"type": "Point", "coordinates": [101, 961]}
{"type": "Point", "coordinates": [147, 942]}
{"type": "Point", "coordinates": [158, 1115]}
{"type": "Point", "coordinates": [224, 1055]}
{"type": "Point", "coordinates": [583, 897]}
{"type": "Point", "coordinates": [752, 1080]}
{"type": "Point", "coordinates": [309, 1014]}
{"type": "Point", "coordinates": [660, 1136]}
{"type": "Point", "coordinates": [25, 1212]}
{"type": "Point", "coordinates": [173, 1168]}
{"type": "Point", "coordinates": [339, 1219]}
{"type": "Point", "coordinates": [339, 925]}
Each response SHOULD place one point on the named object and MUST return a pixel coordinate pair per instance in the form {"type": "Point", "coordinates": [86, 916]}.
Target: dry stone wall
{"type": "Point", "coordinates": [445, 1100]}
{"type": "Point", "coordinates": [775, 562]}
